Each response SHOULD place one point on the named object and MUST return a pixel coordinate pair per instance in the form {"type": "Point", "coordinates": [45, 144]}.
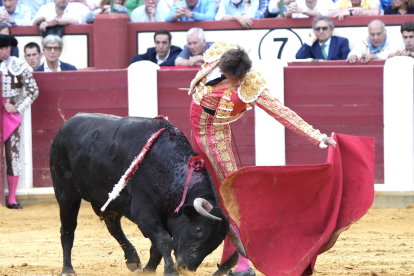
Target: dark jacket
{"type": "Point", "coordinates": [338, 49]}
{"type": "Point", "coordinates": [389, 10]}
{"type": "Point", "coordinates": [63, 65]}
{"type": "Point", "coordinates": [151, 55]}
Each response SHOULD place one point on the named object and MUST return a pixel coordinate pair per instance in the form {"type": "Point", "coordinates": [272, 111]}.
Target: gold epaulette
{"type": "Point", "coordinates": [252, 86]}
{"type": "Point", "coordinates": [216, 50]}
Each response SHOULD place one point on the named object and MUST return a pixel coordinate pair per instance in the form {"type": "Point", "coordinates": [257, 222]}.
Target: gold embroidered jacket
{"type": "Point", "coordinates": [230, 102]}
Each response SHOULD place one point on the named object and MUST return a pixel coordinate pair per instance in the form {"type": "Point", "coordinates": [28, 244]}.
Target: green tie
{"type": "Point", "coordinates": [323, 51]}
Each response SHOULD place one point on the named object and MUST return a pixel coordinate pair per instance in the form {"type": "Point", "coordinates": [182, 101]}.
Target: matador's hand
{"type": "Point", "coordinates": [329, 141]}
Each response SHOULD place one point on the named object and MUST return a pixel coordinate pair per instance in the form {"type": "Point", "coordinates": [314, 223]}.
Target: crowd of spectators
{"type": "Point", "coordinates": [321, 44]}
{"type": "Point", "coordinates": [49, 13]}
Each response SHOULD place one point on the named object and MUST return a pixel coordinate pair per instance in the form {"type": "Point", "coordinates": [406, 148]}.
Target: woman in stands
{"type": "Point", "coordinates": [400, 7]}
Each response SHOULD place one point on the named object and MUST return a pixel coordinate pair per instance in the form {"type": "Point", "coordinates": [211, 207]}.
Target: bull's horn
{"type": "Point", "coordinates": [232, 234]}
{"type": "Point", "coordinates": [203, 207]}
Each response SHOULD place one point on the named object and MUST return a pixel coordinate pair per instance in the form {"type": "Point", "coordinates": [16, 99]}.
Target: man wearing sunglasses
{"type": "Point", "coordinates": [321, 44]}
{"type": "Point", "coordinates": [52, 49]}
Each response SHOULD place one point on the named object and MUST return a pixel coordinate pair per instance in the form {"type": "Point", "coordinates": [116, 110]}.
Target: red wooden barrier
{"type": "Point", "coordinates": [343, 99]}
{"type": "Point", "coordinates": [64, 94]}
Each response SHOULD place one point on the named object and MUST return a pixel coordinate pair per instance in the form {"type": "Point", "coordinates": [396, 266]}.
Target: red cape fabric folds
{"type": "Point", "coordinates": [10, 122]}
{"type": "Point", "coordinates": [287, 215]}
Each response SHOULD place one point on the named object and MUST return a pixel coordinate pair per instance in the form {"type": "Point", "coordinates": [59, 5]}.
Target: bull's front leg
{"type": "Point", "coordinates": [151, 227]}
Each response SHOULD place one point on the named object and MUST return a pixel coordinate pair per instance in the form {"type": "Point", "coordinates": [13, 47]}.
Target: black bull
{"type": "Point", "coordinates": [89, 155]}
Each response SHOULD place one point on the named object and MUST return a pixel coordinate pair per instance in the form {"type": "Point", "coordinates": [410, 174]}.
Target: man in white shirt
{"type": "Point", "coordinates": [376, 46]}
{"type": "Point", "coordinates": [151, 11]}
{"type": "Point", "coordinates": [52, 49]}
{"type": "Point", "coordinates": [14, 14]}
{"type": "Point", "coordinates": [58, 12]}
{"type": "Point", "coordinates": [308, 8]}
{"type": "Point", "coordinates": [34, 6]}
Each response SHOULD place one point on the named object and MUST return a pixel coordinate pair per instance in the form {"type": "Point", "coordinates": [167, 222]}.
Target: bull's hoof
{"type": "Point", "coordinates": [134, 266]}
{"type": "Point", "coordinates": [68, 272]}
{"type": "Point", "coordinates": [171, 272]}
{"type": "Point", "coordinates": [227, 265]}
{"type": "Point", "coordinates": [148, 270]}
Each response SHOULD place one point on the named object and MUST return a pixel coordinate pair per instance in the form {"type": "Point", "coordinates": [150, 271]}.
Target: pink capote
{"type": "Point", "coordinates": [10, 122]}
{"type": "Point", "coordinates": [287, 215]}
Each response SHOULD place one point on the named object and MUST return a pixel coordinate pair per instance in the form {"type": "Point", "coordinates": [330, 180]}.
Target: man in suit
{"type": "Point", "coordinates": [52, 49]}
{"type": "Point", "coordinates": [163, 54]}
{"type": "Point", "coordinates": [321, 44]}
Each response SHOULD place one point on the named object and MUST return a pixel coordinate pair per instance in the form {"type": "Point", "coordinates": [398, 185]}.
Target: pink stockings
{"type": "Point", "coordinates": [228, 250]}
{"type": "Point", "coordinates": [12, 181]}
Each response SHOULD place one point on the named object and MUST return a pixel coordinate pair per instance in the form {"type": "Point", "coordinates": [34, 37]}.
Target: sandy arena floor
{"type": "Point", "coordinates": [381, 243]}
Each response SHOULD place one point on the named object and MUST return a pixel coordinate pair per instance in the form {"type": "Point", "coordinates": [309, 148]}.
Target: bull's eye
{"type": "Point", "coordinates": [198, 229]}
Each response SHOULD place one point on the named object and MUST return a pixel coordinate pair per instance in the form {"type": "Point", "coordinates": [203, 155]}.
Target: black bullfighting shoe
{"type": "Point", "coordinates": [14, 206]}
{"type": "Point", "coordinates": [248, 272]}
{"type": "Point", "coordinates": [227, 265]}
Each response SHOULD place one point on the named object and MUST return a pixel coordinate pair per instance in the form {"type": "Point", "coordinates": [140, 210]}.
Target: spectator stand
{"type": "Point", "coordinates": [327, 94]}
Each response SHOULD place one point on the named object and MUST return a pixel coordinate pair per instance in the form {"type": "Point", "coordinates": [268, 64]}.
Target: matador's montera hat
{"type": "Point", "coordinates": [7, 40]}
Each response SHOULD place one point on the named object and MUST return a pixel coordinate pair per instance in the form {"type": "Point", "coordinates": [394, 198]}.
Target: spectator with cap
{"type": "Point", "coordinates": [15, 14]}
{"type": "Point", "coordinates": [321, 44]}
{"type": "Point", "coordinates": [52, 49]}
{"type": "Point", "coordinates": [33, 55]}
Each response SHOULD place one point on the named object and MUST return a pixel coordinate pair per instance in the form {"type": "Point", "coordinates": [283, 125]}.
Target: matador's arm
{"type": "Point", "coordinates": [288, 118]}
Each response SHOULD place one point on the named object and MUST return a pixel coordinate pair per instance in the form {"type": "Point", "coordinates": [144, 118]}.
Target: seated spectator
{"type": "Point", "coordinates": [192, 10]}
{"type": "Point", "coordinates": [105, 8]}
{"type": "Point", "coordinates": [59, 12]}
{"type": "Point", "coordinates": [262, 10]}
{"type": "Point", "coordinates": [274, 7]}
{"type": "Point", "coordinates": [308, 8]}
{"type": "Point", "coordinates": [375, 46]}
{"type": "Point", "coordinates": [131, 5]}
{"type": "Point", "coordinates": [151, 11]}
{"type": "Point", "coordinates": [15, 14]}
{"type": "Point", "coordinates": [344, 8]}
{"type": "Point", "coordinates": [32, 54]}
{"type": "Point", "coordinates": [34, 6]}
{"type": "Point", "coordinates": [163, 54]}
{"type": "Point", "coordinates": [321, 44]}
{"type": "Point", "coordinates": [407, 32]}
{"type": "Point", "coordinates": [383, 5]}
{"type": "Point", "coordinates": [236, 10]}
{"type": "Point", "coordinates": [192, 54]}
{"type": "Point", "coordinates": [52, 48]}
{"type": "Point", "coordinates": [4, 29]}
{"type": "Point", "coordinates": [400, 7]}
